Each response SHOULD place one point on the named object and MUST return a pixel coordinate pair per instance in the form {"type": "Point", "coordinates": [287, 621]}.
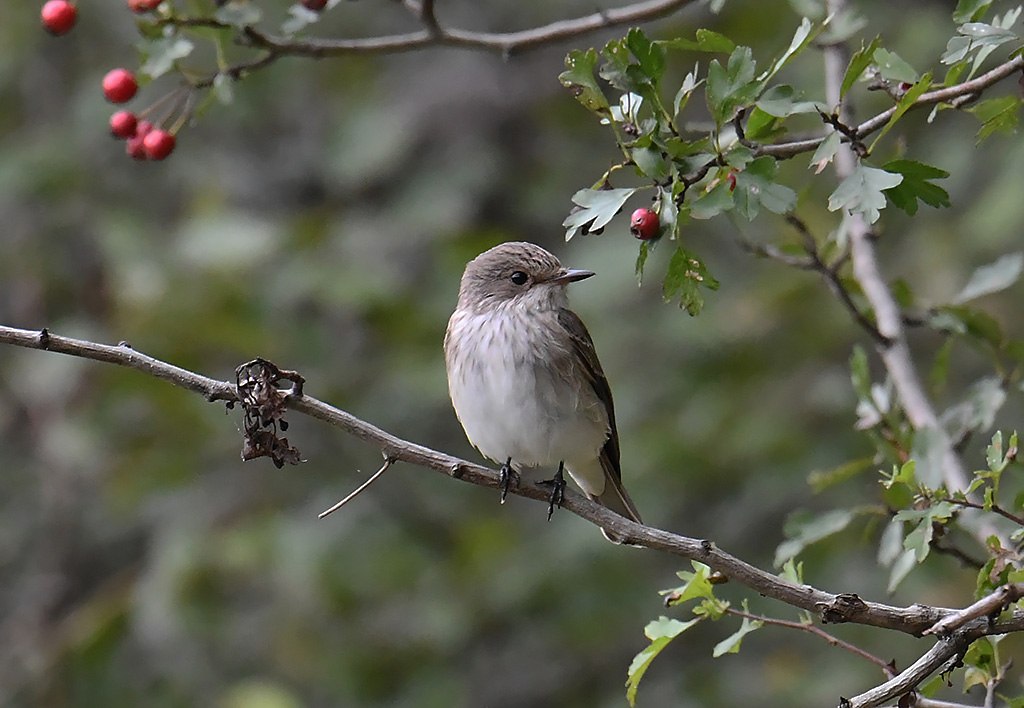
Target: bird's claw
{"type": "Point", "coordinates": [509, 478]}
{"type": "Point", "coordinates": [557, 490]}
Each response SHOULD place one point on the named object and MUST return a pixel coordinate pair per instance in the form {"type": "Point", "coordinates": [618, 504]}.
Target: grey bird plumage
{"type": "Point", "coordinates": [524, 376]}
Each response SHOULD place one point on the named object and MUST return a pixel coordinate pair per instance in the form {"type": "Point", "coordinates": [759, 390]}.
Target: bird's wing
{"type": "Point", "coordinates": [614, 495]}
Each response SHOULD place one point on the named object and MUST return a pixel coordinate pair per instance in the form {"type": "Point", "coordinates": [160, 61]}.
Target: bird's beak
{"type": "Point", "coordinates": [569, 275]}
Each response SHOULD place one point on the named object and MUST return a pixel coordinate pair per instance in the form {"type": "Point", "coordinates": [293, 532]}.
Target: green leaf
{"type": "Point", "coordinates": [903, 105]}
{"type": "Point", "coordinates": [860, 61]}
{"type": "Point", "coordinates": [803, 36]}
{"type": "Point", "coordinates": [861, 192]}
{"type": "Point", "coordinates": [690, 83]}
{"type": "Point", "coordinates": [660, 632]}
{"type": "Point", "coordinates": [826, 151]}
{"type": "Point", "coordinates": [890, 545]}
{"type": "Point", "coordinates": [755, 187]}
{"type": "Point", "coordinates": [641, 259]}
{"type": "Point", "coordinates": [238, 13]}
{"type": "Point", "coordinates": [161, 54]}
{"type": "Point", "coordinates": [651, 162]}
{"type": "Point", "coordinates": [802, 529]}
{"type": "Point", "coordinates": [687, 276]}
{"type": "Point", "coordinates": [859, 373]}
{"type": "Point", "coordinates": [778, 101]}
{"type": "Point", "coordinates": [893, 68]}
{"type": "Point", "coordinates": [916, 185]}
{"type": "Point", "coordinates": [992, 278]}
{"type": "Point", "coordinates": [714, 202]}
{"type": "Point", "coordinates": [649, 56]}
{"type": "Point", "coordinates": [997, 115]}
{"type": "Point", "coordinates": [696, 584]}
{"type": "Point", "coordinates": [732, 85]}
{"type": "Point", "coordinates": [820, 480]}
{"type": "Point", "coordinates": [668, 213]}
{"type": "Point", "coordinates": [974, 323]}
{"type": "Point", "coordinates": [707, 41]}
{"type": "Point", "coordinates": [579, 78]}
{"type": "Point", "coordinates": [968, 10]}
{"type": "Point", "coordinates": [599, 206]}
{"type": "Point", "coordinates": [901, 568]}
{"type": "Point", "coordinates": [731, 644]}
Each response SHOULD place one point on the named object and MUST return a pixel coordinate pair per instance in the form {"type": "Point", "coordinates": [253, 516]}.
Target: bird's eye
{"type": "Point", "coordinates": [519, 277]}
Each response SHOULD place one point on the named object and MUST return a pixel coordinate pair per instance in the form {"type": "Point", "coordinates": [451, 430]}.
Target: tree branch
{"type": "Point", "coordinates": [894, 350]}
{"type": "Point", "coordinates": [953, 95]}
{"type": "Point", "coordinates": [911, 678]}
{"type": "Point", "coordinates": [828, 607]}
{"type": "Point", "coordinates": [504, 43]}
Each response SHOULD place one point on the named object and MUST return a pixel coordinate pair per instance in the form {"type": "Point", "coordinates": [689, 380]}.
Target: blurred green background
{"type": "Point", "coordinates": [322, 221]}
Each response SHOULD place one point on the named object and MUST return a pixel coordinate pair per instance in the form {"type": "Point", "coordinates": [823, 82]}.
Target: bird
{"type": "Point", "coordinates": [525, 380]}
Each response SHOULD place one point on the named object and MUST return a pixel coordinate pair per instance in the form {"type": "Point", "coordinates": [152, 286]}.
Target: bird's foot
{"type": "Point", "coordinates": [557, 484]}
{"type": "Point", "coordinates": [509, 478]}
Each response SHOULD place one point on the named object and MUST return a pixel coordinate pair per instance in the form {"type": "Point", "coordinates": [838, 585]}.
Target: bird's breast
{"type": "Point", "coordinates": [518, 390]}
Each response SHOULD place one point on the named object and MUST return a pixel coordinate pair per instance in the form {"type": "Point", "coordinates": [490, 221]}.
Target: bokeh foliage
{"type": "Point", "coordinates": [322, 221]}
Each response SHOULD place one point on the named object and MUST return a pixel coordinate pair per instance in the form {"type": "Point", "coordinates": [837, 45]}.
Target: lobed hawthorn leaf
{"type": "Point", "coordinates": [161, 54]}
{"type": "Point", "coordinates": [903, 105]}
{"type": "Point", "coordinates": [731, 644]}
{"type": "Point", "coordinates": [707, 41]}
{"type": "Point", "coordinates": [893, 67]}
{"type": "Point", "coordinates": [660, 631]}
{"type": "Point", "coordinates": [579, 78]}
{"type": "Point", "coordinates": [997, 115]}
{"type": "Point", "coordinates": [650, 56]}
{"type": "Point", "coordinates": [970, 10]}
{"type": "Point", "coordinates": [238, 14]}
{"type": "Point", "coordinates": [686, 277]}
{"type": "Point", "coordinates": [713, 202]}
{"type": "Point", "coordinates": [755, 187]}
{"type": "Point", "coordinates": [779, 102]}
{"type": "Point", "coordinates": [992, 278]}
{"type": "Point", "coordinates": [858, 63]}
{"type": "Point", "coordinates": [981, 38]}
{"type": "Point", "coordinates": [916, 185]}
{"type": "Point", "coordinates": [862, 191]}
{"type": "Point", "coordinates": [732, 85]}
{"type": "Point", "coordinates": [762, 126]}
{"type": "Point", "coordinates": [599, 207]}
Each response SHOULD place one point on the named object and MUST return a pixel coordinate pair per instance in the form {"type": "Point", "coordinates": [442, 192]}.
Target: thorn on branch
{"type": "Point", "coordinates": [257, 385]}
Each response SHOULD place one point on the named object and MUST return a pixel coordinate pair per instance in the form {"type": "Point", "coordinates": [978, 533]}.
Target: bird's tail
{"type": "Point", "coordinates": [616, 498]}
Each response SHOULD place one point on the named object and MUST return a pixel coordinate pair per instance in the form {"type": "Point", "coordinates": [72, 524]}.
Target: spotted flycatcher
{"type": "Point", "coordinates": [524, 377]}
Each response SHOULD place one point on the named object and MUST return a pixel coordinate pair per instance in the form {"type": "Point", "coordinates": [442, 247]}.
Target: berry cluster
{"type": "Point", "coordinates": [145, 141]}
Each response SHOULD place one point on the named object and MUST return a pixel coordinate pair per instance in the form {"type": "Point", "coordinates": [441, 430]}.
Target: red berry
{"type": "Point", "coordinates": [159, 144]}
{"type": "Point", "coordinates": [314, 5]}
{"type": "Point", "coordinates": [644, 224]}
{"type": "Point", "coordinates": [135, 148]}
{"type": "Point", "coordinates": [119, 86]}
{"type": "Point", "coordinates": [731, 179]}
{"type": "Point", "coordinates": [143, 5]}
{"type": "Point", "coordinates": [59, 17]}
{"type": "Point", "coordinates": [122, 124]}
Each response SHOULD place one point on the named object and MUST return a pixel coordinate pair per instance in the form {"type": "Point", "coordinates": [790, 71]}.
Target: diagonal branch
{"type": "Point", "coordinates": [911, 678]}
{"type": "Point", "coordinates": [954, 95]}
{"type": "Point", "coordinates": [828, 607]}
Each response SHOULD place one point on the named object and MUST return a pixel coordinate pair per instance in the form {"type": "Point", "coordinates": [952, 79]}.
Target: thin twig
{"type": "Point", "coordinates": [359, 489]}
{"type": "Point", "coordinates": [885, 666]}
